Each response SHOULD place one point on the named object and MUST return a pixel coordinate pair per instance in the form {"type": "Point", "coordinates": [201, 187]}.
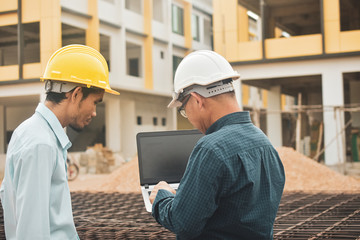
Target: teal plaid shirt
{"type": "Point", "coordinates": [231, 188]}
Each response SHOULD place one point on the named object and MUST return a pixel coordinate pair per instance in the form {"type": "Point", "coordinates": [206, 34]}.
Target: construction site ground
{"type": "Point", "coordinates": [318, 203]}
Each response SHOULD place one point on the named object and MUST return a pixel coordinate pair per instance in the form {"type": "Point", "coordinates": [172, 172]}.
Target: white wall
{"type": "Point", "coordinates": [273, 122]}
{"type": "Point", "coordinates": [162, 68]}
{"type": "Point", "coordinates": [78, 5]}
{"type": "Point", "coordinates": [128, 132]}
{"type": "Point", "coordinates": [333, 95]}
{"type": "Point", "coordinates": [113, 113]}
{"type": "Point", "coordinates": [110, 12]}
{"type": "Point", "coordinates": [204, 31]}
{"type": "Point", "coordinates": [133, 21]}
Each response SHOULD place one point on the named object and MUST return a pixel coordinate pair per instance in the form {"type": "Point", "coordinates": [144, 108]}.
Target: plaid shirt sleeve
{"type": "Point", "coordinates": [196, 199]}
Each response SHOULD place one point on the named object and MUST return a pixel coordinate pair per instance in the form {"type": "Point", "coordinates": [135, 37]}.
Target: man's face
{"type": "Point", "coordinates": [193, 112]}
{"type": "Point", "coordinates": [85, 111]}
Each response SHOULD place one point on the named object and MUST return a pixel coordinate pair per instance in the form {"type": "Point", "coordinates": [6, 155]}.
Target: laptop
{"type": "Point", "coordinates": [163, 156]}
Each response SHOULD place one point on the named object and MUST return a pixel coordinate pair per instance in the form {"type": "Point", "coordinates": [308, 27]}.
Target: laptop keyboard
{"type": "Point", "coordinates": [149, 191]}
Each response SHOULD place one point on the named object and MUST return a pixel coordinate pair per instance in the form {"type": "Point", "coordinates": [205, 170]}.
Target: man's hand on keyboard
{"type": "Point", "coordinates": [160, 185]}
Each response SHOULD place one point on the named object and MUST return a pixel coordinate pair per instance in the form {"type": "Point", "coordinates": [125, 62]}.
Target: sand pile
{"type": "Point", "coordinates": [125, 179]}
{"type": "Point", "coordinates": [302, 174]}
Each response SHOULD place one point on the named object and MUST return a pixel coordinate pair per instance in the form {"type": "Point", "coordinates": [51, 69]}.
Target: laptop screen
{"type": "Point", "coordinates": [163, 155]}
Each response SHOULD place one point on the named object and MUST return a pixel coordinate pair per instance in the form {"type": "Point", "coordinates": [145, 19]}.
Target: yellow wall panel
{"type": "Point", "coordinates": [250, 51]}
{"type": "Point", "coordinates": [283, 101]}
{"type": "Point", "coordinates": [332, 36]}
{"type": "Point", "coordinates": [350, 41]}
{"type": "Point", "coordinates": [50, 30]}
{"type": "Point", "coordinates": [331, 10]}
{"type": "Point", "coordinates": [148, 44]}
{"type": "Point", "coordinates": [293, 46]}
{"type": "Point", "coordinates": [147, 16]}
{"type": "Point", "coordinates": [218, 27]}
{"type": "Point", "coordinates": [9, 73]}
{"type": "Point", "coordinates": [219, 44]}
{"type": "Point", "coordinates": [265, 98]}
{"type": "Point", "coordinates": [243, 21]}
{"type": "Point", "coordinates": [92, 32]}
{"type": "Point", "coordinates": [32, 70]}
{"type": "Point", "coordinates": [332, 25]}
{"type": "Point", "coordinates": [30, 11]}
{"type": "Point", "coordinates": [8, 5]}
{"type": "Point", "coordinates": [230, 14]}
{"type": "Point", "coordinates": [8, 19]}
{"type": "Point", "coordinates": [217, 15]}
{"type": "Point", "coordinates": [225, 27]}
{"type": "Point", "coordinates": [187, 25]}
{"type": "Point", "coordinates": [230, 25]}
{"type": "Point", "coordinates": [231, 46]}
{"type": "Point", "coordinates": [245, 94]}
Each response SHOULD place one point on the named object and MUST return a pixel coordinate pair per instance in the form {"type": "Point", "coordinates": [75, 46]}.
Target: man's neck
{"type": "Point", "coordinates": [59, 111]}
{"type": "Point", "coordinates": [219, 110]}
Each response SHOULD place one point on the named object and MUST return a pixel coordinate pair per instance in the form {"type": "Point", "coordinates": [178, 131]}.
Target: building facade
{"type": "Point", "coordinates": [306, 52]}
{"type": "Point", "coordinates": [142, 40]}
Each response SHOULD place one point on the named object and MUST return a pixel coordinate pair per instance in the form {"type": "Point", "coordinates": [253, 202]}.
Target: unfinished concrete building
{"type": "Point", "coordinates": [297, 54]}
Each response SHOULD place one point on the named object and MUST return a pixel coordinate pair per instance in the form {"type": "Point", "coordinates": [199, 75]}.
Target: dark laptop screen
{"type": "Point", "coordinates": [163, 155]}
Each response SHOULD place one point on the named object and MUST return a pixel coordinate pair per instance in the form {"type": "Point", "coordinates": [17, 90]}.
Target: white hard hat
{"type": "Point", "coordinates": [202, 67]}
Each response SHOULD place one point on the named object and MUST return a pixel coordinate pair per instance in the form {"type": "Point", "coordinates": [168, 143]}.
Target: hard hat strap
{"type": "Point", "coordinates": [59, 87]}
{"type": "Point", "coordinates": [209, 90]}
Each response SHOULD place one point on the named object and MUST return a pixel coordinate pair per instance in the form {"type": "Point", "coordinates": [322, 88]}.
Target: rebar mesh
{"type": "Point", "coordinates": [300, 216]}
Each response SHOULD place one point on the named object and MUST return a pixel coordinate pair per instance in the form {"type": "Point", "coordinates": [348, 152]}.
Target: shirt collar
{"type": "Point", "coordinates": [232, 118]}
{"type": "Point", "coordinates": [55, 125]}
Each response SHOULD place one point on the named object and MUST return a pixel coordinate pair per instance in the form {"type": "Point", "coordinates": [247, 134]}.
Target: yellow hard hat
{"type": "Point", "coordinates": [79, 64]}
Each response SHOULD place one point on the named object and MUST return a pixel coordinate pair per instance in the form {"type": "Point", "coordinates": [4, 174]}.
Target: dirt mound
{"type": "Point", "coordinates": [125, 179]}
{"type": "Point", "coordinates": [302, 174]}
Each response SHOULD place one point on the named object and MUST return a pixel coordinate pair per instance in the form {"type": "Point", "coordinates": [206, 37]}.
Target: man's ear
{"type": "Point", "coordinates": [198, 98]}
{"type": "Point", "coordinates": [76, 94]}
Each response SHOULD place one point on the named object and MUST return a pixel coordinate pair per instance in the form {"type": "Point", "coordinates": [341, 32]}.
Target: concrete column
{"type": "Point", "coordinates": [333, 95]}
{"type": "Point", "coordinates": [238, 85]}
{"type": "Point", "coordinates": [128, 133]}
{"type": "Point", "coordinates": [2, 129]}
{"type": "Point", "coordinates": [355, 98]}
{"type": "Point", "coordinates": [274, 126]}
{"type": "Point", "coordinates": [113, 123]}
{"type": "Point", "coordinates": [171, 118]}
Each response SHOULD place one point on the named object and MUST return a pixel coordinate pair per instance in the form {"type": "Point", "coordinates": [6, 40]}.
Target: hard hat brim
{"type": "Point", "coordinates": [174, 103]}
{"type": "Point", "coordinates": [112, 91]}
{"type": "Point", "coordinates": [107, 89]}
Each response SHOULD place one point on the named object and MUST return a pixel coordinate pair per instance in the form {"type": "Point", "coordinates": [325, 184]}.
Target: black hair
{"type": "Point", "coordinates": [59, 97]}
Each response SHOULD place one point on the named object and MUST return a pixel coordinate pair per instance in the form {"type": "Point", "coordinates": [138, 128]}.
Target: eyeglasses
{"type": "Point", "coordinates": [181, 109]}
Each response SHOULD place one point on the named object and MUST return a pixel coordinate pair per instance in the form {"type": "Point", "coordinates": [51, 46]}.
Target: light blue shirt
{"type": "Point", "coordinates": [34, 193]}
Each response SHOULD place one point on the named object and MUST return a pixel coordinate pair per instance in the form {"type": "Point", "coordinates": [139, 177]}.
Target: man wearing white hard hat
{"type": "Point", "coordinates": [233, 183]}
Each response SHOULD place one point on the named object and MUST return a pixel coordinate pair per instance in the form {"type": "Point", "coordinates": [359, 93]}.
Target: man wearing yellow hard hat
{"type": "Point", "coordinates": [34, 193]}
